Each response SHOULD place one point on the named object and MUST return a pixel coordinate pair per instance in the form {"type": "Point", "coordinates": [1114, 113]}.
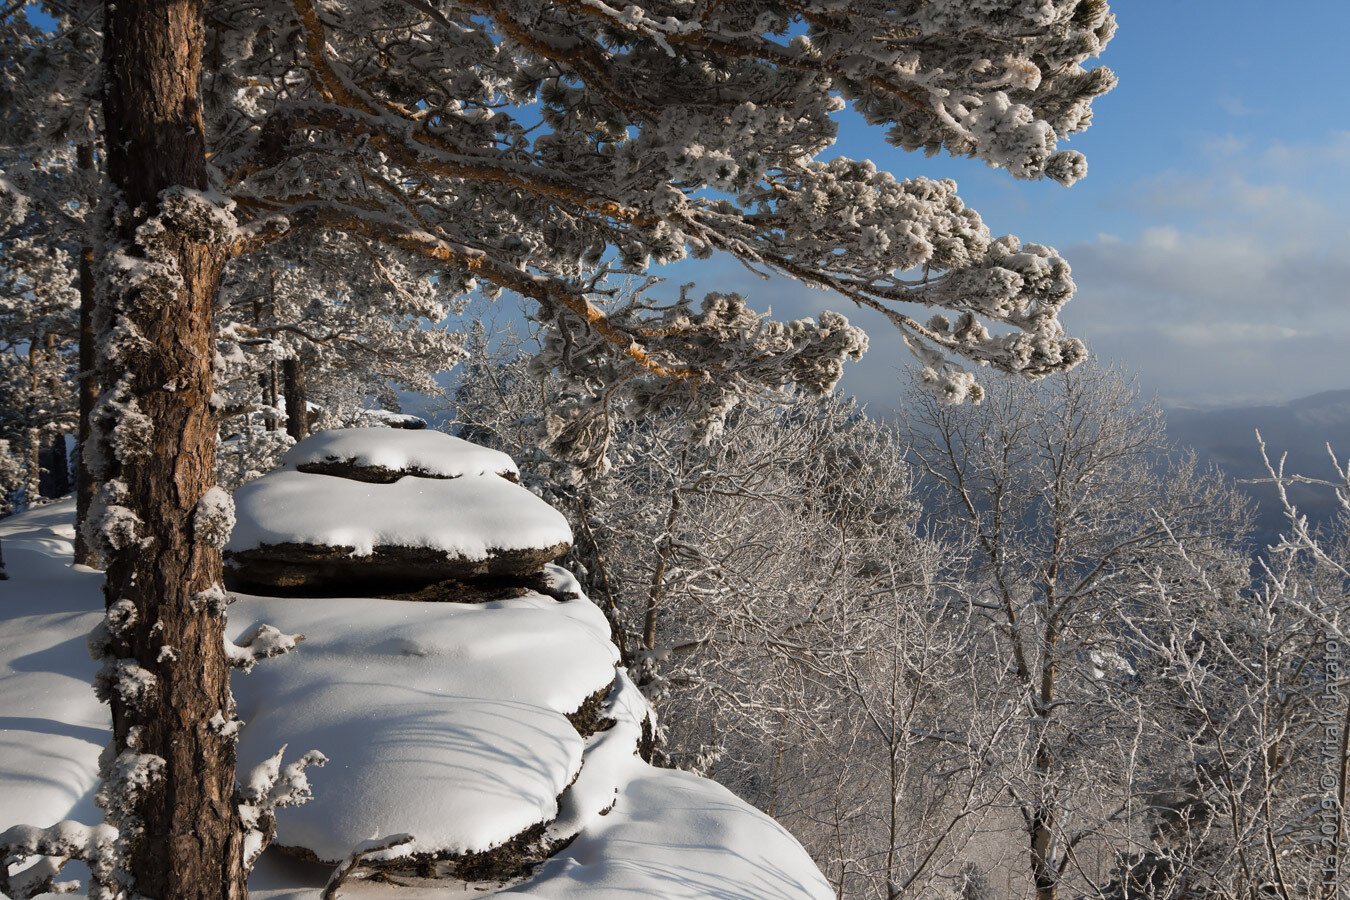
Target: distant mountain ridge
{"type": "Point", "coordinates": [1301, 429]}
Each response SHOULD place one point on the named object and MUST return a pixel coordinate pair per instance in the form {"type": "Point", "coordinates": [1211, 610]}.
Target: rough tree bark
{"type": "Point", "coordinates": [156, 437]}
{"type": "Point", "coordinates": [85, 485]}
{"type": "Point", "coordinates": [297, 398]}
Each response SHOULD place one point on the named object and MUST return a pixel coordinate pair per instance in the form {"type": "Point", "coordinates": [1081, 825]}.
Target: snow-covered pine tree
{"type": "Point", "coordinates": [532, 147]}
{"type": "Point", "coordinates": [50, 179]}
{"type": "Point", "coordinates": [537, 147]}
{"type": "Point", "coordinates": [39, 307]}
{"type": "Point", "coordinates": [303, 322]}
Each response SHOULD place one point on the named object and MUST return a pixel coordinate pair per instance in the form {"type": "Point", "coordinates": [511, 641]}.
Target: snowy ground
{"type": "Point", "coordinates": [439, 720]}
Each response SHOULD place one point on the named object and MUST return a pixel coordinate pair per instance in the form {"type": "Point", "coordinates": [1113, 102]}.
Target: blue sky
{"type": "Point", "coordinates": [1211, 238]}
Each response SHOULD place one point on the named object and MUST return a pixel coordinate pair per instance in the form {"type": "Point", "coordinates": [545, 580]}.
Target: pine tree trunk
{"type": "Point", "coordinates": [85, 485]}
{"type": "Point", "coordinates": [32, 490]}
{"type": "Point", "coordinates": [184, 832]}
{"type": "Point", "coordinates": [297, 399]}
{"type": "Point", "coordinates": [271, 396]}
{"type": "Point", "coordinates": [56, 471]}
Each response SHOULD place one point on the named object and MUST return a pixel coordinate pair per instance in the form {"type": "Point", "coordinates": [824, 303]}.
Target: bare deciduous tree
{"type": "Point", "coordinates": [1062, 488]}
{"type": "Point", "coordinates": [1257, 717]}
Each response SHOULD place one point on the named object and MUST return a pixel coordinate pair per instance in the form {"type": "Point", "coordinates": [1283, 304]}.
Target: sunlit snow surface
{"type": "Point", "coordinates": [438, 718]}
{"type": "Point", "coordinates": [445, 721]}
{"type": "Point", "coordinates": [52, 729]}
{"type": "Point", "coordinates": [464, 517]}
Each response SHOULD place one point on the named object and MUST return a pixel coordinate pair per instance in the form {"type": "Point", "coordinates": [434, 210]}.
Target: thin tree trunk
{"type": "Point", "coordinates": [1042, 866]}
{"type": "Point", "coordinates": [182, 827]}
{"type": "Point", "coordinates": [658, 584]}
{"type": "Point", "coordinates": [32, 491]}
{"type": "Point", "coordinates": [1042, 822]}
{"type": "Point", "coordinates": [297, 399]}
{"type": "Point", "coordinates": [85, 484]}
{"type": "Point", "coordinates": [271, 377]}
{"type": "Point", "coordinates": [57, 470]}
{"type": "Point", "coordinates": [55, 473]}
{"type": "Point", "coordinates": [267, 380]}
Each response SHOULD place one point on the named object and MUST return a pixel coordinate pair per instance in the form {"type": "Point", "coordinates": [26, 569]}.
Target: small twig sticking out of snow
{"type": "Point", "coordinates": [96, 846]}
{"type": "Point", "coordinates": [363, 852]}
{"type": "Point", "coordinates": [269, 787]}
{"type": "Point", "coordinates": [264, 642]}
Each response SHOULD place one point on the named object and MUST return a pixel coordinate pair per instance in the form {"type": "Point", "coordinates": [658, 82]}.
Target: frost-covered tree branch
{"type": "Point", "coordinates": [538, 147]}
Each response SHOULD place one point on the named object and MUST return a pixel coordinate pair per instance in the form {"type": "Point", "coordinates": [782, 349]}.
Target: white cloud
{"type": "Point", "coordinates": [1238, 285]}
{"type": "Point", "coordinates": [1221, 334]}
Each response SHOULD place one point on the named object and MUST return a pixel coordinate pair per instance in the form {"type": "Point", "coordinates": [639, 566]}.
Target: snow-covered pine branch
{"type": "Point", "coordinates": [666, 132]}
{"type": "Point", "coordinates": [95, 846]}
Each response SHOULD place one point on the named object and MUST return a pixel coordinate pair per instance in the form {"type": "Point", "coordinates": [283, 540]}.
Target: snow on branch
{"type": "Point", "coordinates": [213, 518]}
{"type": "Point", "coordinates": [383, 849]}
{"type": "Point", "coordinates": [95, 846]}
{"type": "Point", "coordinates": [264, 642]}
{"type": "Point", "coordinates": [271, 786]}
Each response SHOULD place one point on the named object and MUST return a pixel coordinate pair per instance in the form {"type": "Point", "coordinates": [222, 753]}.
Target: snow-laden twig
{"type": "Point", "coordinates": [271, 786]}
{"type": "Point", "coordinates": [95, 846]}
{"type": "Point", "coordinates": [264, 642]}
{"type": "Point", "coordinates": [394, 846]}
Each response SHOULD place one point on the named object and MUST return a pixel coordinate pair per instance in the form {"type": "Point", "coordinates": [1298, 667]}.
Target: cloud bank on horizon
{"type": "Point", "coordinates": [1236, 291]}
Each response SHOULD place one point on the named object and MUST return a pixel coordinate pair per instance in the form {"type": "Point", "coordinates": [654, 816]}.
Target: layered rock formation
{"type": "Point", "coordinates": [486, 726]}
{"type": "Point", "coordinates": [393, 508]}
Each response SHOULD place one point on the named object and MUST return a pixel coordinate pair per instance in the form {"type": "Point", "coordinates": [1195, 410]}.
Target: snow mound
{"type": "Point", "coordinates": [679, 837]}
{"type": "Point", "coordinates": [429, 454]}
{"type": "Point", "coordinates": [52, 728]}
{"type": "Point", "coordinates": [470, 518]}
{"type": "Point", "coordinates": [444, 720]}
{"type": "Point", "coordinates": [607, 752]}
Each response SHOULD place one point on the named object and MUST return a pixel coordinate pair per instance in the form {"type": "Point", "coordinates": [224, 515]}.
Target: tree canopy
{"type": "Point", "coordinates": [542, 147]}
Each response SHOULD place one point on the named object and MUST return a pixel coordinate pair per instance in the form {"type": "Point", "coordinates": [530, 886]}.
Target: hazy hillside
{"type": "Point", "coordinates": [1301, 428]}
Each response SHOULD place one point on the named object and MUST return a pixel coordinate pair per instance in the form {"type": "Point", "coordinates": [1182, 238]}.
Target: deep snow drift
{"type": "Point", "coordinates": [445, 721]}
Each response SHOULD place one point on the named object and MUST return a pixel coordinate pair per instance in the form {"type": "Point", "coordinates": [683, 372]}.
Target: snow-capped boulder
{"type": "Point", "coordinates": [677, 836]}
{"type": "Point", "coordinates": [451, 722]}
{"type": "Point", "coordinates": [382, 418]}
{"type": "Point", "coordinates": [384, 455]}
{"type": "Point", "coordinates": [453, 512]}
